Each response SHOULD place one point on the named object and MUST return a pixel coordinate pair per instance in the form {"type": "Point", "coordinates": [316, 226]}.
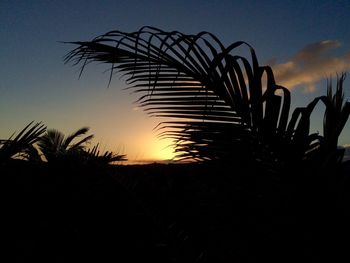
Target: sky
{"type": "Point", "coordinates": [304, 41]}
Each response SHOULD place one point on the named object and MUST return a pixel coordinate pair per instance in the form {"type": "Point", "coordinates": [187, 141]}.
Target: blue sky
{"type": "Point", "coordinates": [304, 42]}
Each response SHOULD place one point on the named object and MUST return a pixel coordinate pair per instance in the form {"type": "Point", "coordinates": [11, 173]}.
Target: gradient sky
{"type": "Point", "coordinates": [304, 42]}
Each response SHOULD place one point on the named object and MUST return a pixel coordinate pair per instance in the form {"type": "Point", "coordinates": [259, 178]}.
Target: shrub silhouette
{"type": "Point", "coordinates": [219, 106]}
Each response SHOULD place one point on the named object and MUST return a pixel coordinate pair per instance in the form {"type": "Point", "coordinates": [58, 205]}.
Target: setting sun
{"type": "Point", "coordinates": [175, 131]}
{"type": "Point", "coordinates": [161, 150]}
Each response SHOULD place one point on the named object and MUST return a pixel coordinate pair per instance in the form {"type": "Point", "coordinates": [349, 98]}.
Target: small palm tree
{"type": "Point", "coordinates": [220, 105]}
{"type": "Point", "coordinates": [55, 146]}
{"type": "Point", "coordinates": [22, 146]}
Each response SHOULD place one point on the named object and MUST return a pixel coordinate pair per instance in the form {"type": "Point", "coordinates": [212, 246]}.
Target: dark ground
{"type": "Point", "coordinates": [173, 213]}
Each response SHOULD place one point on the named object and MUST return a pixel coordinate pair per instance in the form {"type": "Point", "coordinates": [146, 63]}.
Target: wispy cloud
{"type": "Point", "coordinates": [312, 63]}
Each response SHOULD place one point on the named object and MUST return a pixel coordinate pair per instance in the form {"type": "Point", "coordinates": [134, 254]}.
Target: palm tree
{"type": "Point", "coordinates": [22, 146]}
{"type": "Point", "coordinates": [217, 103]}
{"type": "Point", "coordinates": [55, 146]}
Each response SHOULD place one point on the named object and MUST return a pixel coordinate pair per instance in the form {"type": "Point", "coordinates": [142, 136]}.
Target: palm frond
{"type": "Point", "coordinates": [50, 144]}
{"type": "Point", "coordinates": [335, 117]}
{"type": "Point", "coordinates": [337, 111]}
{"type": "Point", "coordinates": [216, 98]}
{"type": "Point", "coordinates": [82, 131]}
{"type": "Point", "coordinates": [190, 77]}
{"type": "Point", "coordinates": [22, 142]}
{"type": "Point", "coordinates": [95, 156]}
{"type": "Point", "coordinates": [80, 144]}
{"type": "Point", "coordinates": [53, 144]}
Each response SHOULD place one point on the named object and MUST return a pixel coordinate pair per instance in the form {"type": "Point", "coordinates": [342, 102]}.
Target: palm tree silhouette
{"type": "Point", "coordinates": [221, 105]}
{"type": "Point", "coordinates": [22, 145]}
{"type": "Point", "coordinates": [55, 146]}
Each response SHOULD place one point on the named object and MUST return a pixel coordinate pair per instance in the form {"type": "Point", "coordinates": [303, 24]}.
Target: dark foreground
{"type": "Point", "coordinates": [172, 213]}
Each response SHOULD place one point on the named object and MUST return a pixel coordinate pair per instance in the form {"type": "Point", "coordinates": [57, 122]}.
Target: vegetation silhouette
{"type": "Point", "coordinates": [55, 146]}
{"type": "Point", "coordinates": [267, 188]}
{"type": "Point", "coordinates": [96, 157]}
{"type": "Point", "coordinates": [36, 144]}
{"type": "Point", "coordinates": [263, 187]}
{"type": "Point", "coordinates": [63, 207]}
{"type": "Point", "coordinates": [222, 106]}
{"type": "Point", "coordinates": [23, 144]}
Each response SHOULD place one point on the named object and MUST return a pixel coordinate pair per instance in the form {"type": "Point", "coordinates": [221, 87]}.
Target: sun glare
{"type": "Point", "coordinates": [162, 150]}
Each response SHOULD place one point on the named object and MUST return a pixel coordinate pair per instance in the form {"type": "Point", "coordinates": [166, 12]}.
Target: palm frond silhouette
{"type": "Point", "coordinates": [22, 145]}
{"type": "Point", "coordinates": [220, 105]}
{"type": "Point", "coordinates": [336, 115]}
{"type": "Point", "coordinates": [94, 155]}
{"type": "Point", "coordinates": [55, 145]}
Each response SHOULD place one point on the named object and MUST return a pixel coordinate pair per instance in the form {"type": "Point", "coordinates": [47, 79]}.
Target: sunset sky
{"type": "Point", "coordinates": [304, 42]}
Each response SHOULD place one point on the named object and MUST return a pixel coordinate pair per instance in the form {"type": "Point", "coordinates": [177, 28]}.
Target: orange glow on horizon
{"type": "Point", "coordinates": [145, 147]}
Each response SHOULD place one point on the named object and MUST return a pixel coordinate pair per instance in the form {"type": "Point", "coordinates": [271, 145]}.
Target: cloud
{"type": "Point", "coordinates": [312, 63]}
